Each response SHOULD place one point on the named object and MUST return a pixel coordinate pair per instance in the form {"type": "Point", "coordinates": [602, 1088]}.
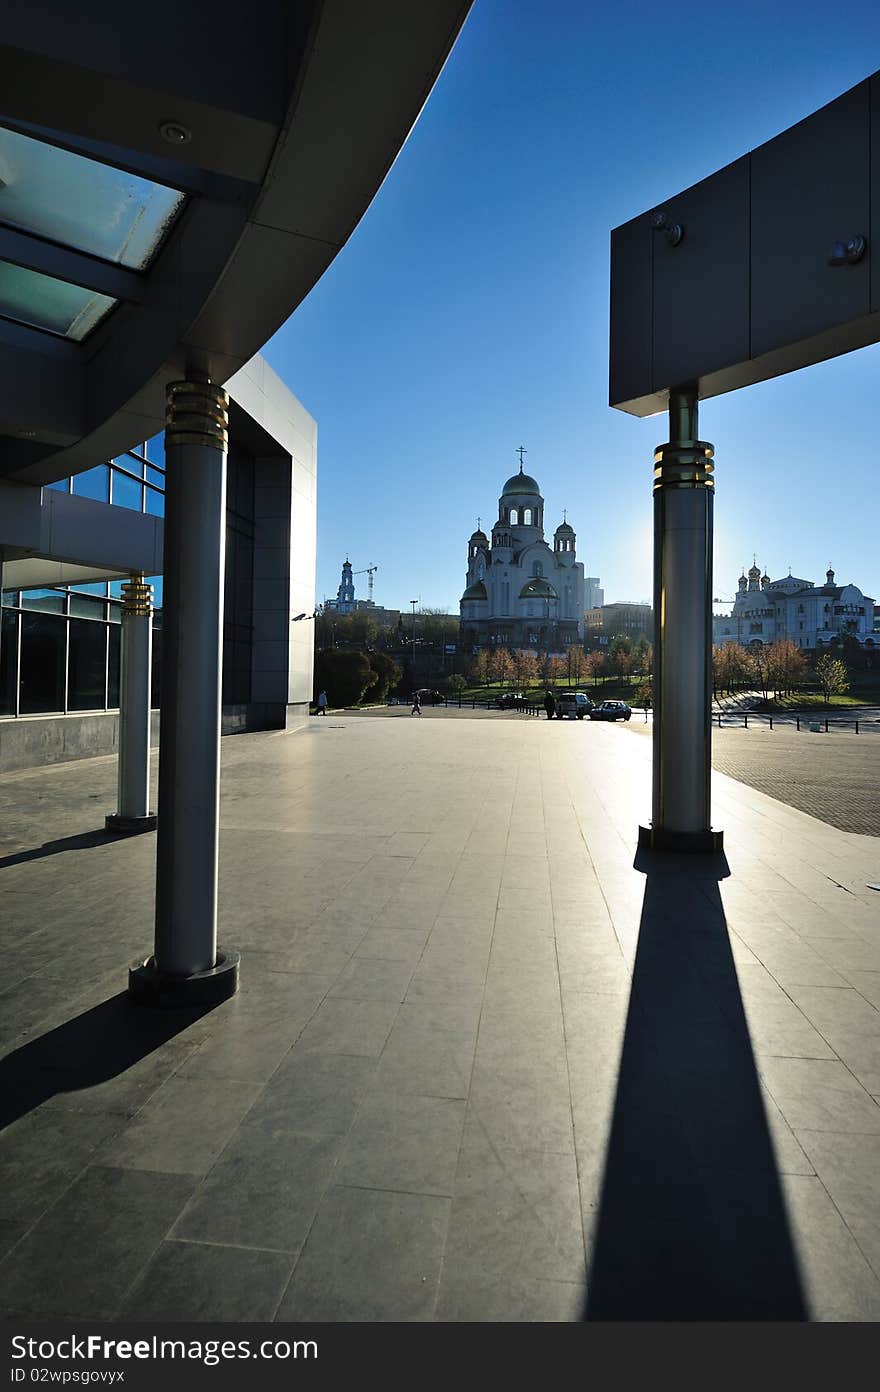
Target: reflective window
{"type": "Point", "coordinates": [156, 476]}
{"type": "Point", "coordinates": [155, 450]}
{"type": "Point", "coordinates": [60, 485]}
{"type": "Point", "coordinates": [8, 643]}
{"type": "Point", "coordinates": [127, 492]}
{"type": "Point", "coordinates": [82, 202]}
{"type": "Point", "coordinates": [155, 502]}
{"type": "Point", "coordinates": [42, 663]}
{"type": "Point", "coordinates": [57, 305]}
{"type": "Point", "coordinates": [50, 601]}
{"type": "Point", "coordinates": [129, 462]}
{"type": "Point", "coordinates": [113, 635]}
{"type": "Point", "coordinates": [84, 607]}
{"type": "Point", "coordinates": [94, 483]}
{"type": "Point", "coordinates": [86, 665]}
{"type": "Point", "coordinates": [527, 517]}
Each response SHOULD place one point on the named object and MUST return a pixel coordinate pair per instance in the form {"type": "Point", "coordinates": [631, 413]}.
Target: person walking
{"type": "Point", "coordinates": [417, 705]}
{"type": "Point", "coordinates": [322, 702]}
{"type": "Point", "coordinates": [550, 705]}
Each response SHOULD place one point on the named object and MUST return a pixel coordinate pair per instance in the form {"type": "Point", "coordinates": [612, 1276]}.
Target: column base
{"type": "Point", "coordinates": [702, 842]}
{"type": "Point", "coordinates": [149, 986]}
{"type": "Point", "coordinates": [127, 826]}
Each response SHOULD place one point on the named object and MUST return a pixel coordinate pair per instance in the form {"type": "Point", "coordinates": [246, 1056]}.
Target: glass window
{"type": "Point", "coordinates": [11, 599]}
{"type": "Point", "coordinates": [130, 462]}
{"type": "Point", "coordinates": [59, 486]}
{"type": "Point", "coordinates": [156, 449]}
{"type": "Point", "coordinates": [42, 663]}
{"type": "Point", "coordinates": [155, 502]}
{"type": "Point", "coordinates": [50, 601]}
{"type": "Point", "coordinates": [8, 642]}
{"type": "Point", "coordinates": [156, 582]}
{"type": "Point", "coordinates": [86, 665]}
{"type": "Point", "coordinates": [63, 308]}
{"type": "Point", "coordinates": [84, 607]}
{"type": "Point", "coordinates": [514, 517]}
{"type": "Point", "coordinates": [113, 638]}
{"type": "Point", "coordinates": [84, 203]}
{"type": "Point", "coordinates": [127, 492]}
{"type": "Point", "coordinates": [527, 517]}
{"type": "Point", "coordinates": [155, 476]}
{"type": "Point", "coordinates": [94, 483]}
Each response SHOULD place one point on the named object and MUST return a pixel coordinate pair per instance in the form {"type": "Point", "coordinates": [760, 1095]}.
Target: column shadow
{"type": "Point", "coordinates": [101, 1044]}
{"type": "Point", "coordinates": [82, 841]}
{"type": "Point", "coordinates": [692, 1223]}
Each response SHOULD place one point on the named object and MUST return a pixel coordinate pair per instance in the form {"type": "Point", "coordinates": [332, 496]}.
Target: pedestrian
{"type": "Point", "coordinates": [550, 705]}
{"type": "Point", "coordinates": [322, 702]}
{"type": "Point", "coordinates": [417, 705]}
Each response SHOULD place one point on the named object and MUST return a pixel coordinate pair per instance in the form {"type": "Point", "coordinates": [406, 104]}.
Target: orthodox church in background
{"type": "Point", "coordinates": [810, 615]}
{"type": "Point", "coordinates": [521, 592]}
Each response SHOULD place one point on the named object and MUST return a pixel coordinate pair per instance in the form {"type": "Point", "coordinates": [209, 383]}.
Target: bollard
{"type": "Point", "coordinates": [857, 727]}
{"type": "Point", "coordinates": [826, 724]}
{"type": "Point", "coordinates": [797, 721]}
{"type": "Point", "coordinates": [746, 719]}
{"type": "Point", "coordinates": [771, 722]}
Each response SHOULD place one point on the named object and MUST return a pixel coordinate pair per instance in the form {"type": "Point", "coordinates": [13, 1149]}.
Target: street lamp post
{"type": "Point", "coordinates": [414, 602]}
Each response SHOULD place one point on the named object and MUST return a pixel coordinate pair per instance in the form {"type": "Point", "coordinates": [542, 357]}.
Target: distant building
{"type": "Point", "coordinates": [344, 602]}
{"type": "Point", "coordinates": [594, 596]}
{"type": "Point", "coordinates": [621, 620]}
{"type": "Point", "coordinates": [810, 615]}
{"type": "Point", "coordinates": [522, 592]}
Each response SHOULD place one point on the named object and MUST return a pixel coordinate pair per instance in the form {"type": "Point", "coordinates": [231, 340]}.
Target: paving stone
{"type": "Point", "coordinates": [194, 1281]}
{"type": "Point", "coordinates": [371, 1255]}
{"type": "Point", "coordinates": [83, 1254]}
{"type": "Point", "coordinates": [404, 1142]}
{"type": "Point", "coordinates": [182, 1128]}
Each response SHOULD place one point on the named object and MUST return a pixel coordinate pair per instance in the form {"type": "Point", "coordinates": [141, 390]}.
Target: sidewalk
{"type": "Point", "coordinates": [481, 1067]}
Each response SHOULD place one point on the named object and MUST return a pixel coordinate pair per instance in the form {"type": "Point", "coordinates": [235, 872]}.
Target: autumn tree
{"type": "Point", "coordinates": [482, 668]}
{"type": "Point", "coordinates": [525, 668]}
{"type": "Point", "coordinates": [594, 664]}
{"type": "Point", "coordinates": [786, 666]}
{"type": "Point", "coordinates": [832, 675]}
{"type": "Point", "coordinates": [576, 659]}
{"type": "Point", "coordinates": [501, 665]}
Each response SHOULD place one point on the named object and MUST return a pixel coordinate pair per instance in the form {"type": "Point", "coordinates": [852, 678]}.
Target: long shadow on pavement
{"type": "Point", "coordinates": [83, 841]}
{"type": "Point", "coordinates": [692, 1222]}
{"type": "Point", "coordinates": [96, 1046]}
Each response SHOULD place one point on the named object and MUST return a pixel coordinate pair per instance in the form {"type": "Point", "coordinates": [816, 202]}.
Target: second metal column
{"type": "Point", "coordinates": [682, 687]}
{"type": "Point", "coordinates": [187, 965]}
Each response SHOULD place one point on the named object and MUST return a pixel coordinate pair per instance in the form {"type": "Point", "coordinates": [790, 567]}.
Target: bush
{"type": "Point", "coordinates": [386, 674]}
{"type": "Point", "coordinates": [345, 676]}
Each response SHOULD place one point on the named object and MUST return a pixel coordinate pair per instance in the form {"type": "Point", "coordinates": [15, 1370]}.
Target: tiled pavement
{"type": "Point", "coordinates": [460, 998]}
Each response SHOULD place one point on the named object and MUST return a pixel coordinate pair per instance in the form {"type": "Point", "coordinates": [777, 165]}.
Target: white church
{"type": "Point", "coordinates": [810, 615]}
{"type": "Point", "coordinates": [521, 591]}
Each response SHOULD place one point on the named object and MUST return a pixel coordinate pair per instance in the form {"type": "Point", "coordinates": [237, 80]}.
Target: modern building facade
{"type": "Point", "coordinates": [623, 619]}
{"type": "Point", "coordinates": [60, 635]}
{"type": "Point", "coordinates": [522, 592]}
{"type": "Point", "coordinates": [811, 616]}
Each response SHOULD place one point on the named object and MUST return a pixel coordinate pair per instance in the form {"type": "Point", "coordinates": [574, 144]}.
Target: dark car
{"type": "Point", "coordinates": [428, 697]}
{"type": "Point", "coordinates": [509, 700]}
{"type": "Point", "coordinates": [611, 710]}
{"type": "Point", "coordinates": [575, 704]}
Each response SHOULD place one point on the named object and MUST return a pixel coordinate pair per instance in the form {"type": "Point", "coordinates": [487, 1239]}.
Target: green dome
{"type": "Point", "coordinates": [475, 591]}
{"type": "Point", "coordinates": [538, 589]}
{"type": "Point", "coordinates": [520, 483]}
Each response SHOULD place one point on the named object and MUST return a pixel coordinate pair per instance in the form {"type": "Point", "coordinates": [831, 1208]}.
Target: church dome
{"type": "Point", "coordinates": [565, 527]}
{"type": "Point", "coordinates": [521, 483]}
{"type": "Point", "coordinates": [475, 591]}
{"type": "Point", "coordinates": [754, 572]}
{"type": "Point", "coordinates": [479, 535]}
{"type": "Point", "coordinates": [538, 589]}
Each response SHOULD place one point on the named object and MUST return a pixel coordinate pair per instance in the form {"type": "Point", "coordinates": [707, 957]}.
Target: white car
{"type": "Point", "coordinates": [575, 704]}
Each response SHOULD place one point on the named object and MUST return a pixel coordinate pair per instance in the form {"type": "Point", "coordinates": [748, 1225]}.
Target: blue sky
{"type": "Point", "coordinates": [468, 313]}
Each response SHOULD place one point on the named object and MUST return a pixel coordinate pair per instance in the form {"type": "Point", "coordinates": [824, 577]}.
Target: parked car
{"type": "Point", "coordinates": [429, 697]}
{"type": "Point", "coordinates": [575, 704]}
{"type": "Point", "coordinates": [509, 700]}
{"type": "Point", "coordinates": [611, 710]}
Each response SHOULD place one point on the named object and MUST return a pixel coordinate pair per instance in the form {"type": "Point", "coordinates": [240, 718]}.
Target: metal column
{"type": "Point", "coordinates": [188, 967]}
{"type": "Point", "coordinates": [136, 646]}
{"type": "Point", "coordinates": [682, 689]}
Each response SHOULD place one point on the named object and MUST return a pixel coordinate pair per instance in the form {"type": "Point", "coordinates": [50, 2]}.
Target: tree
{"type": "Point", "coordinates": [832, 675]}
{"type": "Point", "coordinates": [576, 659]}
{"type": "Point", "coordinates": [760, 668]}
{"type": "Point", "coordinates": [786, 666]}
{"type": "Point", "coordinates": [501, 665]}
{"type": "Point", "coordinates": [525, 668]}
{"type": "Point", "coordinates": [556, 668]}
{"type": "Point", "coordinates": [386, 674]}
{"type": "Point", "coordinates": [482, 668]}
{"type": "Point", "coordinates": [455, 683]}
{"type": "Point", "coordinates": [345, 676]}
{"type": "Point", "coordinates": [594, 663]}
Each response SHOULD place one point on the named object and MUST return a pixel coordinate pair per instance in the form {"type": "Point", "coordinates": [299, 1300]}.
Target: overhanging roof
{"type": "Point", "coordinates": [275, 121]}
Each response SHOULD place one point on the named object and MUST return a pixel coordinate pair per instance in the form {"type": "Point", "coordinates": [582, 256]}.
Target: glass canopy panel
{"type": "Point", "coordinates": [83, 203]}
{"type": "Point", "coordinates": [56, 305]}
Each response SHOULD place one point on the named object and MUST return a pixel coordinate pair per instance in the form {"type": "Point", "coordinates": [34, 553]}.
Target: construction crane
{"type": "Point", "coordinates": [369, 571]}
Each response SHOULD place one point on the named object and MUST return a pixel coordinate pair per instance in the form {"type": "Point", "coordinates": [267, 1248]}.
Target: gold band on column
{"type": "Point", "coordinates": [684, 466]}
{"type": "Point", "coordinates": [197, 413]}
{"type": "Point", "coordinates": [137, 595]}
